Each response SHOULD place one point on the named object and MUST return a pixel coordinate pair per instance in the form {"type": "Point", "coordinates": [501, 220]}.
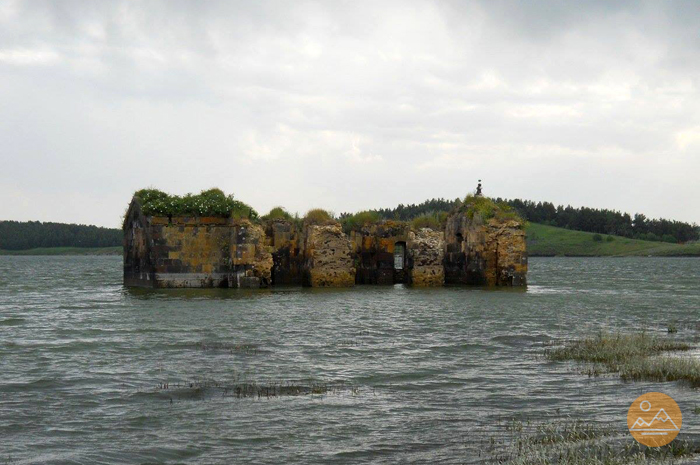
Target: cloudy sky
{"type": "Point", "coordinates": [348, 105]}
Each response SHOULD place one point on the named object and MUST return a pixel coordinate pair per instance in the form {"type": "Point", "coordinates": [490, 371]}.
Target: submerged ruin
{"type": "Point", "coordinates": [474, 247]}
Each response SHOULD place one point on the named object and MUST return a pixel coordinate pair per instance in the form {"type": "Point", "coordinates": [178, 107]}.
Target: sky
{"type": "Point", "coordinates": [348, 105]}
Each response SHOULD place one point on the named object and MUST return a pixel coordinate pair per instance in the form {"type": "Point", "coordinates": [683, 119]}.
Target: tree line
{"type": "Point", "coordinates": [22, 235]}
{"type": "Point", "coordinates": [595, 220]}
{"type": "Point", "coordinates": [603, 221]}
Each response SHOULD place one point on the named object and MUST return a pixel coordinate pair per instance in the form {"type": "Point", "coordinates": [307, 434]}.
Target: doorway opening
{"type": "Point", "coordinates": [399, 255]}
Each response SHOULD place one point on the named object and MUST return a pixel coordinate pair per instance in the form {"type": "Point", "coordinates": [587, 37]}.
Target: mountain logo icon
{"type": "Point", "coordinates": [659, 429]}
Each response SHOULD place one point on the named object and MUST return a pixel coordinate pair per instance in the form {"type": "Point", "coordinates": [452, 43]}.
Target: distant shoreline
{"type": "Point", "coordinates": [47, 251]}
{"type": "Point", "coordinates": [542, 241]}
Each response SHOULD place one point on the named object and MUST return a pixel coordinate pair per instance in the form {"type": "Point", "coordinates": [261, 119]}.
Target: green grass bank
{"type": "Point", "coordinates": [546, 241]}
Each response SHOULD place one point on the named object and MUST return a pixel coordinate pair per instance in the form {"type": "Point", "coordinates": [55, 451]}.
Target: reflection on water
{"type": "Point", "coordinates": [96, 372]}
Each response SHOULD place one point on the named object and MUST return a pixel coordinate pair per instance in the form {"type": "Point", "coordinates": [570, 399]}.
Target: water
{"type": "Point", "coordinates": [416, 375]}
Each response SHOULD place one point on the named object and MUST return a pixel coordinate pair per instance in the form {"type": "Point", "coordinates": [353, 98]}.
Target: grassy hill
{"type": "Point", "coordinates": [548, 241]}
{"type": "Point", "coordinates": [66, 251]}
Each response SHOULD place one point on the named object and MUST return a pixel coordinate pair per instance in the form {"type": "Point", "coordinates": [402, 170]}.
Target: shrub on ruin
{"type": "Point", "coordinates": [427, 220]}
{"type": "Point", "coordinates": [486, 208]}
{"type": "Point", "coordinates": [318, 216]}
{"type": "Point", "coordinates": [211, 202]}
{"type": "Point", "coordinates": [278, 213]}
{"type": "Point", "coordinates": [360, 219]}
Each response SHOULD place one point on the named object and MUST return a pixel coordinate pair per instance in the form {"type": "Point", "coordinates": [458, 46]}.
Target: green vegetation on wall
{"type": "Point", "coordinates": [212, 202]}
{"type": "Point", "coordinates": [433, 220]}
{"type": "Point", "coordinates": [358, 220]}
{"type": "Point", "coordinates": [278, 213]}
{"type": "Point", "coordinates": [318, 216]}
{"type": "Point", "coordinates": [488, 208]}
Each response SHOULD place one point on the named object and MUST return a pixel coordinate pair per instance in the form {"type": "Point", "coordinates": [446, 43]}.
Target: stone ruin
{"type": "Point", "coordinates": [197, 252]}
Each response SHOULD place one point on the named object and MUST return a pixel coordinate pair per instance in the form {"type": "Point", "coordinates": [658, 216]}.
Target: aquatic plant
{"type": "Point", "coordinates": [574, 442]}
{"type": "Point", "coordinates": [661, 369]}
{"type": "Point", "coordinates": [253, 389]}
{"type": "Point", "coordinates": [634, 356]}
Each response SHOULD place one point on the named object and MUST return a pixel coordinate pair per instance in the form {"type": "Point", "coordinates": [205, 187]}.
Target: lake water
{"type": "Point", "coordinates": [410, 375]}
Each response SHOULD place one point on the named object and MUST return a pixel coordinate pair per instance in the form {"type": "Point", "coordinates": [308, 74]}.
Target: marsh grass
{"type": "Point", "coordinates": [663, 368]}
{"type": "Point", "coordinates": [206, 387]}
{"type": "Point", "coordinates": [574, 442]}
{"type": "Point", "coordinates": [634, 356]}
{"type": "Point", "coordinates": [232, 348]}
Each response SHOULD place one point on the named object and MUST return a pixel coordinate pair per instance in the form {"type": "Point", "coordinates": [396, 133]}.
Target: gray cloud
{"type": "Point", "coordinates": [348, 105]}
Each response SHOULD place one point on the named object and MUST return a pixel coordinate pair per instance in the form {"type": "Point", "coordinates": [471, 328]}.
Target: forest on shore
{"type": "Point", "coordinates": [23, 235]}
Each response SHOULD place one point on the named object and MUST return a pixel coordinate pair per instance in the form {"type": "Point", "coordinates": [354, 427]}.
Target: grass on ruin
{"type": "Point", "coordinates": [212, 202]}
{"type": "Point", "coordinates": [318, 216]}
{"type": "Point", "coordinates": [435, 221]}
{"type": "Point", "coordinates": [638, 356]}
{"type": "Point", "coordinates": [278, 213]}
{"type": "Point", "coordinates": [487, 208]}
{"type": "Point", "coordinates": [573, 442]}
{"type": "Point", "coordinates": [356, 221]}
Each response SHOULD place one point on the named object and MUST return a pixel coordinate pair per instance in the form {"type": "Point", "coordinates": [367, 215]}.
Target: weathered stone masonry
{"type": "Point", "coordinates": [194, 252]}
{"type": "Point", "coordinates": [167, 252]}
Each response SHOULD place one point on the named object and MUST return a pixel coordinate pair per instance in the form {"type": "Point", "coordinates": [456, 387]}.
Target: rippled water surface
{"type": "Point", "coordinates": [92, 372]}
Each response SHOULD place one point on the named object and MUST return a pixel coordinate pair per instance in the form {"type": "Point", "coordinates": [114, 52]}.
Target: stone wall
{"type": "Point", "coordinates": [328, 257]}
{"type": "Point", "coordinates": [225, 252]}
{"type": "Point", "coordinates": [374, 247]}
{"type": "Point", "coordinates": [139, 268]}
{"type": "Point", "coordinates": [287, 255]}
{"type": "Point", "coordinates": [426, 253]}
{"type": "Point", "coordinates": [251, 257]}
{"type": "Point", "coordinates": [194, 252]}
{"type": "Point", "coordinates": [491, 252]}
